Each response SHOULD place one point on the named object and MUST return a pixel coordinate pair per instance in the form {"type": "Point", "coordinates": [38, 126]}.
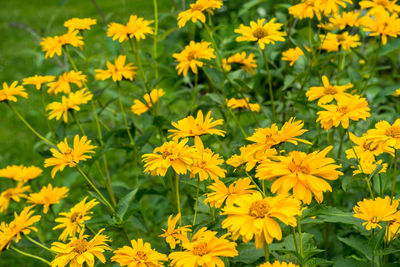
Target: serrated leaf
{"type": "Point", "coordinates": [123, 204]}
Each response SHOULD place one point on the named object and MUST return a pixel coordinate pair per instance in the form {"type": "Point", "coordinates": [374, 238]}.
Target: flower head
{"type": "Point", "coordinates": [250, 155]}
{"type": "Point", "coordinates": [247, 63]}
{"type": "Point", "coordinates": [118, 71]}
{"type": "Point", "coordinates": [67, 156]}
{"type": "Point", "coordinates": [136, 27]}
{"type": "Point", "coordinates": [254, 216]}
{"type": "Point", "coordinates": [139, 254]}
{"type": "Point", "coordinates": [20, 173]}
{"type": "Point", "coordinates": [366, 149]}
{"type": "Point", "coordinates": [385, 134]}
{"type": "Point", "coordinates": [38, 80]}
{"type": "Point", "coordinates": [54, 45]}
{"type": "Point", "coordinates": [196, 11]}
{"type": "Point", "coordinates": [235, 103]}
{"type": "Point", "coordinates": [64, 81]}
{"type": "Point", "coordinates": [305, 9]}
{"type": "Point", "coordinates": [73, 221]}
{"type": "Point", "coordinates": [191, 57]}
{"type": "Point", "coordinates": [304, 173]}
{"type": "Point", "coordinates": [204, 249]}
{"type": "Point", "coordinates": [334, 42]}
{"type": "Point", "coordinates": [48, 196]}
{"type": "Point", "coordinates": [379, 6]}
{"type": "Point", "coordinates": [175, 235]}
{"type": "Point", "coordinates": [80, 250]}
{"type": "Point", "coordinates": [382, 24]}
{"type": "Point", "coordinates": [139, 107]}
{"type": "Point", "coordinates": [328, 92]}
{"type": "Point", "coordinates": [262, 33]}
{"type": "Point", "coordinates": [292, 55]}
{"type": "Point", "coordinates": [79, 24]}
{"type": "Point", "coordinates": [278, 264]}
{"type": "Point", "coordinates": [198, 126]}
{"type": "Point", "coordinates": [9, 93]}
{"type": "Point", "coordinates": [347, 108]}
{"type": "Point", "coordinates": [15, 193]}
{"type": "Point", "coordinates": [375, 211]}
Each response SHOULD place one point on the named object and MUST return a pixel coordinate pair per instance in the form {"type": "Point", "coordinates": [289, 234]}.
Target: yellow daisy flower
{"type": "Point", "coordinates": [384, 134]}
{"type": "Point", "coordinates": [139, 107]}
{"type": "Point", "coordinates": [195, 12]}
{"type": "Point", "coordinates": [278, 264]}
{"type": "Point", "coordinates": [190, 126]}
{"type": "Point", "coordinates": [117, 31]}
{"type": "Point", "coordinates": [67, 156]}
{"type": "Point", "coordinates": [394, 227]}
{"type": "Point", "coordinates": [254, 216]}
{"type": "Point", "coordinates": [235, 103]}
{"type": "Point", "coordinates": [9, 93]}
{"type": "Point", "coordinates": [347, 108]}
{"type": "Point", "coordinates": [332, 42]}
{"type": "Point", "coordinates": [48, 196]}
{"type": "Point", "coordinates": [73, 221]}
{"type": "Point", "coordinates": [175, 236]}
{"type": "Point", "coordinates": [305, 9]}
{"type": "Point", "coordinates": [292, 55]}
{"type": "Point", "coordinates": [118, 71]}
{"type": "Point", "coordinates": [397, 92]}
{"type": "Point", "coordinates": [204, 249]}
{"type": "Point", "coordinates": [328, 92]}
{"type": "Point", "coordinates": [139, 254]}
{"type": "Point", "coordinates": [179, 156]}
{"type": "Point", "coordinates": [15, 193]}
{"type": "Point", "coordinates": [20, 173]}
{"type": "Point", "coordinates": [79, 24]}
{"type": "Point", "coordinates": [64, 81]}
{"type": "Point", "coordinates": [136, 27]}
{"type": "Point", "coordinates": [80, 251]}
{"type": "Point", "coordinates": [341, 21]}
{"type": "Point", "coordinates": [366, 149]}
{"type": "Point", "coordinates": [263, 33]}
{"type": "Point", "coordinates": [368, 166]}
{"type": "Point", "coordinates": [304, 173]}
{"type": "Point", "coordinates": [379, 6]}
{"type": "Point", "coordinates": [247, 63]}
{"type": "Point", "coordinates": [54, 45]}
{"type": "Point", "coordinates": [220, 193]}
{"type": "Point", "coordinates": [250, 155]}
{"type": "Point", "coordinates": [192, 54]}
{"type": "Point", "coordinates": [382, 24]}
{"type": "Point", "coordinates": [328, 7]}
{"type": "Point", "coordinates": [375, 211]}
{"type": "Point", "coordinates": [38, 80]}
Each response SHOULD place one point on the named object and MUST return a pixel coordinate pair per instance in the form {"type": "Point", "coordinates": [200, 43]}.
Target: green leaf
{"type": "Point", "coordinates": [123, 204]}
{"type": "Point", "coordinates": [248, 253]}
{"type": "Point", "coordinates": [357, 244]}
{"type": "Point", "coordinates": [348, 262]}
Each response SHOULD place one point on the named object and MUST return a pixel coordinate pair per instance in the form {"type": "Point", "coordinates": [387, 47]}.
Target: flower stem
{"type": "Point", "coordinates": [300, 237]}
{"type": "Point", "coordinates": [271, 94]}
{"type": "Point", "coordinates": [295, 240]}
{"type": "Point", "coordinates": [214, 44]}
{"type": "Point", "coordinates": [254, 182]}
{"type": "Point", "coordinates": [238, 122]}
{"type": "Point", "coordinates": [121, 106]}
{"type": "Point", "coordinates": [197, 201]}
{"type": "Point", "coordinates": [178, 201]}
{"type": "Point", "coordinates": [155, 38]}
{"type": "Point", "coordinates": [38, 244]}
{"type": "Point", "coordinates": [30, 255]}
{"type": "Point", "coordinates": [139, 62]}
{"type": "Point", "coordinates": [30, 126]}
{"type": "Point", "coordinates": [266, 252]}
{"type": "Point", "coordinates": [195, 92]}
{"type": "Point", "coordinates": [394, 174]}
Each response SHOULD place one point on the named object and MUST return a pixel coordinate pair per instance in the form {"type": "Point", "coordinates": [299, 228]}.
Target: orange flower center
{"type": "Point", "coordinates": [68, 156]}
{"type": "Point", "coordinates": [340, 38]}
{"type": "Point", "coordinates": [196, 7]}
{"type": "Point", "coordinates": [80, 246]}
{"type": "Point", "coordinates": [76, 216]}
{"type": "Point", "coordinates": [383, 3]}
{"type": "Point", "coordinates": [191, 55]}
{"type": "Point", "coordinates": [343, 109]}
{"type": "Point", "coordinates": [393, 131]}
{"type": "Point", "coordinates": [375, 219]}
{"type": "Point", "coordinates": [141, 255]}
{"type": "Point", "coordinates": [294, 167]}
{"type": "Point", "coordinates": [200, 249]}
{"type": "Point", "coordinates": [166, 154]}
{"type": "Point", "coordinates": [260, 33]}
{"type": "Point", "coordinates": [369, 146]}
{"type": "Point", "coordinates": [259, 209]}
{"type": "Point", "coordinates": [330, 90]}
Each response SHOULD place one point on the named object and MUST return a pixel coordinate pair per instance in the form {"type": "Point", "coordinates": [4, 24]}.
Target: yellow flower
{"type": "Point", "coordinates": [278, 264]}
{"type": "Point", "coordinates": [382, 24]}
{"type": "Point", "coordinates": [195, 12]}
{"type": "Point", "coordinates": [204, 249]}
{"type": "Point", "coordinates": [22, 224]}
{"type": "Point", "coordinates": [366, 149]}
{"type": "Point", "coordinates": [379, 6]}
{"type": "Point", "coordinates": [262, 33]}
{"type": "Point", "coordinates": [235, 103]}
{"type": "Point", "coordinates": [341, 21]}
{"type": "Point", "coordinates": [67, 156]}
{"type": "Point", "coordinates": [48, 196]}
{"type": "Point", "coordinates": [179, 156]}
{"type": "Point", "coordinates": [385, 135]}
{"type": "Point", "coordinates": [397, 92]}
{"type": "Point", "coordinates": [328, 92]}
{"type": "Point", "coordinates": [136, 27]}
{"type": "Point", "coordinates": [333, 42]}
{"type": "Point", "coordinates": [265, 138]}
{"type": "Point", "coordinates": [175, 236]}
{"type": "Point", "coordinates": [368, 166]}
{"type": "Point", "coordinates": [375, 211]}
{"type": "Point", "coordinates": [292, 55]}
{"type": "Point", "coordinates": [347, 108]}
{"type": "Point", "coordinates": [9, 93]}
{"type": "Point", "coordinates": [38, 80]}
{"type": "Point", "coordinates": [118, 71]}
{"type": "Point", "coordinates": [79, 24]}
{"type": "Point", "coordinates": [54, 45]}
{"type": "Point", "coordinates": [191, 56]}
{"type": "Point", "coordinates": [394, 227]}
{"type": "Point", "coordinates": [305, 9]}
{"type": "Point", "coordinates": [198, 126]}
{"type": "Point", "coordinates": [15, 194]}
{"type": "Point", "coordinates": [328, 7]}
{"type": "Point", "coordinates": [139, 254]}
{"type": "Point", "coordinates": [254, 216]}
{"type": "Point", "coordinates": [206, 164]}
{"type": "Point", "coordinates": [20, 173]}
{"type": "Point", "coordinates": [250, 155]}
{"type": "Point", "coordinates": [220, 193]}
{"type": "Point", "coordinates": [304, 173]}
{"type": "Point", "coordinates": [139, 107]}
{"type": "Point", "coordinates": [68, 103]}
{"type": "Point", "coordinates": [248, 64]}
{"type": "Point", "coordinates": [117, 31]}
{"type": "Point", "coordinates": [80, 251]}
{"type": "Point", "coordinates": [63, 83]}
{"type": "Point", "coordinates": [73, 221]}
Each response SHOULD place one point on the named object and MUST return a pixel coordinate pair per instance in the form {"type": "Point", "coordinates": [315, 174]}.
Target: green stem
{"type": "Point", "coordinates": [30, 255]}
{"type": "Point", "coordinates": [178, 201]}
{"type": "Point", "coordinates": [271, 93]}
{"type": "Point", "coordinates": [373, 249]}
{"type": "Point", "coordinates": [30, 126]}
{"type": "Point", "coordinates": [155, 38]}
{"type": "Point", "coordinates": [300, 237]}
{"type": "Point", "coordinates": [254, 182]}
{"type": "Point", "coordinates": [238, 123]}
{"type": "Point", "coordinates": [214, 44]}
{"type": "Point", "coordinates": [121, 106]}
{"type": "Point", "coordinates": [341, 143]}
{"type": "Point", "coordinates": [139, 62]}
{"type": "Point", "coordinates": [195, 92]}
{"type": "Point", "coordinates": [38, 244]}
{"type": "Point", "coordinates": [197, 201]}
{"type": "Point", "coordinates": [44, 110]}
{"type": "Point", "coordinates": [394, 174]}
{"type": "Point", "coordinates": [295, 240]}
{"type": "Point", "coordinates": [266, 252]}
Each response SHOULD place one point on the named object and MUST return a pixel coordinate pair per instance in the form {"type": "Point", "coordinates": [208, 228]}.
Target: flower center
{"type": "Point", "coordinates": [80, 246]}
{"type": "Point", "coordinates": [343, 109]}
{"type": "Point", "coordinates": [191, 55]}
{"type": "Point", "coordinates": [141, 255]}
{"type": "Point", "coordinates": [340, 38]}
{"type": "Point", "coordinates": [293, 167]}
{"type": "Point", "coordinates": [196, 7]}
{"type": "Point", "coordinates": [166, 154]}
{"type": "Point", "coordinates": [383, 3]}
{"type": "Point", "coordinates": [260, 33]}
{"type": "Point", "coordinates": [369, 146]}
{"type": "Point", "coordinates": [393, 131]}
{"type": "Point", "coordinates": [375, 219]}
{"type": "Point", "coordinates": [76, 216]}
{"type": "Point", "coordinates": [259, 209]}
{"type": "Point", "coordinates": [330, 90]}
{"type": "Point", "coordinates": [200, 249]}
